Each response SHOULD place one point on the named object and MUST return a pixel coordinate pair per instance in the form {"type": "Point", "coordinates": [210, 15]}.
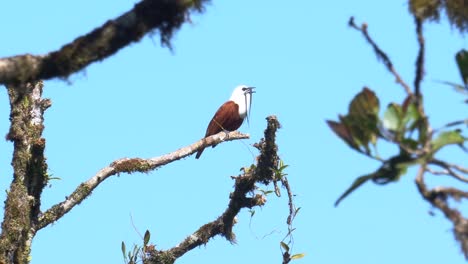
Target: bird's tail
{"type": "Point", "coordinates": [199, 153]}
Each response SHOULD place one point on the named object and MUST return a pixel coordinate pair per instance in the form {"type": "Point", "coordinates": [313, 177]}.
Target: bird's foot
{"type": "Point", "coordinates": [226, 133]}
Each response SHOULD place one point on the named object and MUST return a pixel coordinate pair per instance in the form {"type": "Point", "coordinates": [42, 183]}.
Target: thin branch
{"type": "Point", "coordinates": [146, 16]}
{"type": "Point", "coordinates": [449, 171]}
{"type": "Point", "coordinates": [380, 54]}
{"type": "Point", "coordinates": [223, 224]}
{"type": "Point", "coordinates": [292, 209]}
{"type": "Point", "coordinates": [129, 165]}
{"type": "Point", "coordinates": [451, 124]}
{"type": "Point", "coordinates": [420, 59]}
{"type": "Point", "coordinates": [438, 198]}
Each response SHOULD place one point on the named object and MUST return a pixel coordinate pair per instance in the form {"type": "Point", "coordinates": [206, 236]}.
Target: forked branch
{"type": "Point", "coordinates": [244, 184]}
{"type": "Point", "coordinates": [380, 54]}
{"type": "Point", "coordinates": [129, 165]}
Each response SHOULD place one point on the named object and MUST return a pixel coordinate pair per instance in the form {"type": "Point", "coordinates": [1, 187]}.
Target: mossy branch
{"type": "Point", "coordinates": [129, 165]}
{"type": "Point", "coordinates": [22, 205]}
{"type": "Point", "coordinates": [146, 16]}
{"type": "Point", "coordinates": [244, 184]}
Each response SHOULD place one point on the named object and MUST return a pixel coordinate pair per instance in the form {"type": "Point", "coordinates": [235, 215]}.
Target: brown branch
{"type": "Point", "coordinates": [438, 198]}
{"type": "Point", "coordinates": [146, 16]}
{"type": "Point", "coordinates": [420, 59]}
{"type": "Point", "coordinates": [129, 165]}
{"type": "Point", "coordinates": [380, 54]}
{"type": "Point", "coordinates": [244, 184]}
{"type": "Point", "coordinates": [448, 170]}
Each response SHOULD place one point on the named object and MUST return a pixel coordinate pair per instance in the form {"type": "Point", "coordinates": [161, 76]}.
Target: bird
{"type": "Point", "coordinates": [231, 114]}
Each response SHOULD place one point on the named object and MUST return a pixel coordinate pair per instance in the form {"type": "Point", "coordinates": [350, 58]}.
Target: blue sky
{"type": "Point", "coordinates": [146, 101]}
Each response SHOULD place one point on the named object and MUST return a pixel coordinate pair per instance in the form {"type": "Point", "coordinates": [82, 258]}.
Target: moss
{"type": "Point", "coordinates": [132, 165]}
{"type": "Point", "coordinates": [162, 257]}
{"type": "Point", "coordinates": [81, 192]}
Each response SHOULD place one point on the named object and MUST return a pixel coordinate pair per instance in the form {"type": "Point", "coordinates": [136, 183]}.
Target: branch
{"type": "Point", "coordinates": [129, 165]}
{"type": "Point", "coordinates": [244, 184]}
{"type": "Point", "coordinates": [146, 16]}
{"type": "Point", "coordinates": [448, 170]}
{"type": "Point", "coordinates": [380, 54]}
{"type": "Point", "coordinates": [23, 201]}
{"type": "Point", "coordinates": [438, 198]}
{"type": "Point", "coordinates": [420, 59]}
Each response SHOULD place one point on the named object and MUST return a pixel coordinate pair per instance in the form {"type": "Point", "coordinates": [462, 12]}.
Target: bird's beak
{"type": "Point", "coordinates": [250, 90]}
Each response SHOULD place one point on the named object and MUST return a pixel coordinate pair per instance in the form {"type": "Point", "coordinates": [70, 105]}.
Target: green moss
{"type": "Point", "coordinates": [162, 257]}
{"type": "Point", "coordinates": [132, 165]}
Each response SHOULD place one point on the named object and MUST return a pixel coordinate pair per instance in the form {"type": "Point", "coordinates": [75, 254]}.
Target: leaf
{"type": "Point", "coordinates": [411, 115]}
{"type": "Point", "coordinates": [342, 132]}
{"type": "Point", "coordinates": [146, 238]}
{"type": "Point", "coordinates": [447, 138]}
{"type": "Point", "coordinates": [359, 127]}
{"type": "Point", "coordinates": [364, 103]}
{"type": "Point", "coordinates": [252, 212]}
{"type": "Point", "coordinates": [393, 117]}
{"type": "Point", "coordinates": [297, 210]}
{"type": "Point", "coordinates": [462, 61]}
{"type": "Point", "coordinates": [363, 130]}
{"type": "Point", "coordinates": [358, 182]}
{"type": "Point", "coordinates": [298, 256]}
{"type": "Point", "coordinates": [362, 118]}
{"type": "Point", "coordinates": [124, 250]}
{"type": "Point", "coordinates": [284, 246]}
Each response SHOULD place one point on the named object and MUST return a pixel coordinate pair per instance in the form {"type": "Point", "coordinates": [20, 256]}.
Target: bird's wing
{"type": "Point", "coordinates": [224, 119]}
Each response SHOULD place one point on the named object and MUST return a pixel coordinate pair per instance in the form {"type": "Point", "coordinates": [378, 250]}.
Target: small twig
{"type": "Point", "coordinates": [292, 211]}
{"type": "Point", "coordinates": [134, 227]}
{"type": "Point", "coordinates": [449, 171]}
{"type": "Point", "coordinates": [380, 54]}
{"type": "Point", "coordinates": [451, 124]}
{"type": "Point", "coordinates": [129, 165]}
{"type": "Point", "coordinates": [437, 172]}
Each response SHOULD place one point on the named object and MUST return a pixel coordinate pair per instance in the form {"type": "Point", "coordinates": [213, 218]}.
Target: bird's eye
{"type": "Point", "coordinates": [244, 88]}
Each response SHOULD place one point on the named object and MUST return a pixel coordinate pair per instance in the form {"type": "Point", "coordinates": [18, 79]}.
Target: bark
{"type": "Point", "coordinates": [22, 206]}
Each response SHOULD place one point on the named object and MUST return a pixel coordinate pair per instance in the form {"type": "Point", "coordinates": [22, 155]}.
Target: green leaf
{"type": "Point", "coordinates": [364, 103]}
{"type": "Point", "coordinates": [359, 127]}
{"type": "Point", "coordinates": [146, 238]}
{"type": "Point", "coordinates": [298, 256]}
{"type": "Point", "coordinates": [297, 210]}
{"type": "Point", "coordinates": [284, 246]}
{"type": "Point", "coordinates": [124, 250]}
{"type": "Point", "coordinates": [252, 212]}
{"type": "Point", "coordinates": [358, 182]}
{"type": "Point", "coordinates": [411, 114]}
{"type": "Point", "coordinates": [462, 61]}
{"type": "Point", "coordinates": [447, 138]}
{"type": "Point", "coordinates": [266, 192]}
{"type": "Point", "coordinates": [393, 117]}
